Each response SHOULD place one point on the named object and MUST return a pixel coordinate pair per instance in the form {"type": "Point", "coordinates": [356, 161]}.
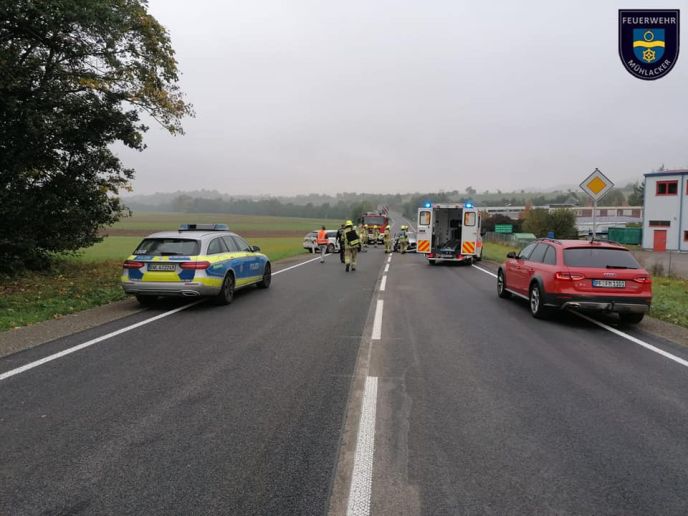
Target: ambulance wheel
{"type": "Point", "coordinates": [267, 277]}
{"type": "Point", "coordinates": [432, 262]}
{"type": "Point", "coordinates": [226, 295]}
{"type": "Point", "coordinates": [146, 300]}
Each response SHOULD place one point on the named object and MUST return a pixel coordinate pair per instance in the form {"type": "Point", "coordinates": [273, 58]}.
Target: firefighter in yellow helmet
{"type": "Point", "coordinates": [363, 233]}
{"type": "Point", "coordinates": [388, 240]}
{"type": "Point", "coordinates": [403, 239]}
{"type": "Point", "coordinates": [352, 243]}
{"type": "Point", "coordinates": [376, 234]}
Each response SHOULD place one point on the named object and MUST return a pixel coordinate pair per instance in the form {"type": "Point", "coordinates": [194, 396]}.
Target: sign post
{"type": "Point", "coordinates": [596, 185]}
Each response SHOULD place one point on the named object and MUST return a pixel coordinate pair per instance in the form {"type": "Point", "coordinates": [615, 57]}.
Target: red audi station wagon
{"type": "Point", "coordinates": [579, 275]}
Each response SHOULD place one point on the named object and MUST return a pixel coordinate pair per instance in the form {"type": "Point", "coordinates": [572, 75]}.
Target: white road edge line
{"type": "Point", "coordinates": [298, 265]}
{"type": "Point", "coordinates": [621, 334]}
{"type": "Point", "coordinates": [377, 322]}
{"type": "Point", "coordinates": [91, 342]}
{"type": "Point", "coordinates": [387, 268]}
{"type": "Point", "coordinates": [633, 339]}
{"type": "Point", "coordinates": [383, 283]}
{"type": "Point", "coordinates": [55, 356]}
{"type": "Point", "coordinates": [485, 271]}
{"type": "Point", "coordinates": [362, 477]}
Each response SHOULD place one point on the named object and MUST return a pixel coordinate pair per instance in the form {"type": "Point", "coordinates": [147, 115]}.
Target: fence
{"type": "Point", "coordinates": [667, 263]}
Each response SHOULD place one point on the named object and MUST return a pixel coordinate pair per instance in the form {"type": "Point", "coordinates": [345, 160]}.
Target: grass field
{"type": "Point", "coordinates": [91, 278]}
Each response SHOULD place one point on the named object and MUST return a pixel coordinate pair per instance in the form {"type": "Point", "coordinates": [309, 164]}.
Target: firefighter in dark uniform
{"type": "Point", "coordinates": [340, 241]}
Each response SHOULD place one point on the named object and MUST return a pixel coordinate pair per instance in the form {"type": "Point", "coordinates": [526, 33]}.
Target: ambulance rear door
{"type": "Point", "coordinates": [424, 230]}
{"type": "Point", "coordinates": [470, 232]}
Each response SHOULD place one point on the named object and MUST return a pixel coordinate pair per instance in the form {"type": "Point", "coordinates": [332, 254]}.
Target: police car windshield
{"type": "Point", "coordinates": [168, 247]}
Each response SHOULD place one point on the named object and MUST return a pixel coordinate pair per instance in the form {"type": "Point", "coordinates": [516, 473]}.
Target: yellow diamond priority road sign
{"type": "Point", "coordinates": [596, 185]}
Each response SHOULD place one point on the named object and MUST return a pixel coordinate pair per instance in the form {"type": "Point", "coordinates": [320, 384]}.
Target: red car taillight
{"type": "Point", "coordinates": [132, 264]}
{"type": "Point", "coordinates": [194, 265]}
{"type": "Point", "coordinates": [643, 279]}
{"type": "Point", "coordinates": [431, 255]}
{"type": "Point", "coordinates": [568, 276]}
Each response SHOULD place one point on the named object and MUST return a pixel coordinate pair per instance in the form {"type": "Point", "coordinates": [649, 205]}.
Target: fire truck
{"type": "Point", "coordinates": [449, 232]}
{"type": "Point", "coordinates": [376, 218]}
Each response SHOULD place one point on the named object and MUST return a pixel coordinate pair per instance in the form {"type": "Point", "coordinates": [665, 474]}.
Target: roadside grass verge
{"type": "Point", "coordinates": [669, 295]}
{"type": "Point", "coordinates": [496, 252]}
{"type": "Point", "coordinates": [670, 300]}
{"type": "Point", "coordinates": [70, 286]}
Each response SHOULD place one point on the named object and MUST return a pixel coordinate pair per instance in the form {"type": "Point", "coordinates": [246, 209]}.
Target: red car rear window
{"type": "Point", "coordinates": [600, 257]}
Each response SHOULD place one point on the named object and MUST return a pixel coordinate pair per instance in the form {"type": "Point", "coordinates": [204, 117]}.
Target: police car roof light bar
{"type": "Point", "coordinates": [203, 227]}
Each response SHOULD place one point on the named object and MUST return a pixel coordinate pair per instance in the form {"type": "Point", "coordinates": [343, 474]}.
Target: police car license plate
{"type": "Point", "coordinates": [162, 267]}
{"type": "Point", "coordinates": [603, 283]}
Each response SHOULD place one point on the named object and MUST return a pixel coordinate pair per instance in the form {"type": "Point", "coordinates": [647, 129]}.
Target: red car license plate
{"type": "Point", "coordinates": [603, 283]}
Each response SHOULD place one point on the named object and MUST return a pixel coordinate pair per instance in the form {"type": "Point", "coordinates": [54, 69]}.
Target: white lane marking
{"type": "Point", "coordinates": [377, 322]}
{"type": "Point", "coordinates": [362, 477]}
{"type": "Point", "coordinates": [55, 356]}
{"type": "Point", "coordinates": [91, 342]}
{"type": "Point", "coordinates": [485, 271]}
{"type": "Point", "coordinates": [387, 268]}
{"type": "Point", "coordinates": [389, 259]}
{"type": "Point", "coordinates": [383, 283]}
{"type": "Point", "coordinates": [633, 339]}
{"type": "Point", "coordinates": [297, 265]}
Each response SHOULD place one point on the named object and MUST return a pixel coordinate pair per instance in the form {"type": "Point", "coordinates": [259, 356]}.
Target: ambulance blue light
{"type": "Point", "coordinates": [428, 205]}
{"type": "Point", "coordinates": [468, 205]}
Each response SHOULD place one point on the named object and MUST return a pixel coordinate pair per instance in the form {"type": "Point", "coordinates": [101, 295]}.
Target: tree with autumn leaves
{"type": "Point", "coordinates": [76, 76]}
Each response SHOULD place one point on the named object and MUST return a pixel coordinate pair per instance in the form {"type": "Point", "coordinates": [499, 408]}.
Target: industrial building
{"type": "Point", "coordinates": [665, 221]}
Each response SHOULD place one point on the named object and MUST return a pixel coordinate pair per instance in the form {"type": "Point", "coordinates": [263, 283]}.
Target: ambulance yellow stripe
{"type": "Point", "coordinates": [468, 247]}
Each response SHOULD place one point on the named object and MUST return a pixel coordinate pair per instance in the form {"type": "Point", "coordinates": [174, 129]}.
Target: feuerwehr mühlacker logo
{"type": "Point", "coordinates": [648, 41]}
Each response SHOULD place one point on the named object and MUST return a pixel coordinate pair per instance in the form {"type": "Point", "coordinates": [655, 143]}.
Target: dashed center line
{"type": "Point", "coordinates": [387, 268]}
{"type": "Point", "coordinates": [383, 283]}
{"type": "Point", "coordinates": [362, 477]}
{"type": "Point", "coordinates": [377, 322]}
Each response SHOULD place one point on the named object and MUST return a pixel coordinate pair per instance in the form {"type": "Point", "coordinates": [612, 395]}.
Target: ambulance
{"type": "Point", "coordinates": [449, 232]}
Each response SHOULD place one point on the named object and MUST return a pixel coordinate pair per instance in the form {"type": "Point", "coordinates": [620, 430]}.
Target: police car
{"type": "Point", "coordinates": [196, 260]}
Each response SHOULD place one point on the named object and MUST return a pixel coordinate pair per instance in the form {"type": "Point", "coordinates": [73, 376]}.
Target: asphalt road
{"type": "Point", "coordinates": [248, 409]}
{"type": "Point", "coordinates": [232, 410]}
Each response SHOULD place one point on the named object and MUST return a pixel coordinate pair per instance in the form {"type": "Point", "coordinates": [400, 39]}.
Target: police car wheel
{"type": "Point", "coordinates": [146, 300]}
{"type": "Point", "coordinates": [226, 295]}
{"type": "Point", "coordinates": [267, 277]}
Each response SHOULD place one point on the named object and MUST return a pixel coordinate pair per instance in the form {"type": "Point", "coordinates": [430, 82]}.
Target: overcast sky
{"type": "Point", "coordinates": [299, 96]}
